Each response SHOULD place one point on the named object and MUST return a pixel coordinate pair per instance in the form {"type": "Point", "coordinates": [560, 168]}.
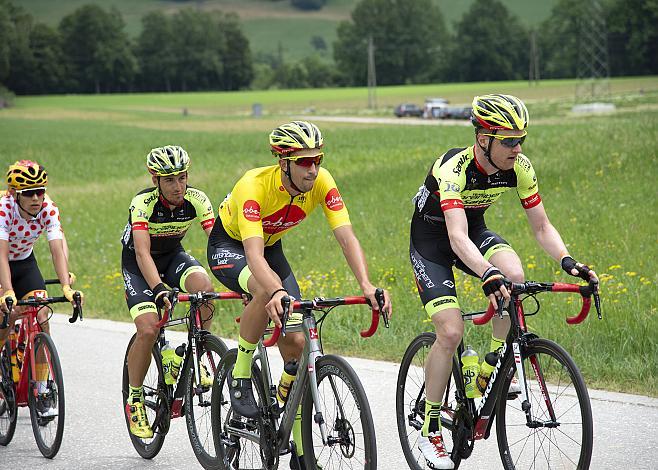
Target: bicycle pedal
{"type": "Point", "coordinates": [513, 396]}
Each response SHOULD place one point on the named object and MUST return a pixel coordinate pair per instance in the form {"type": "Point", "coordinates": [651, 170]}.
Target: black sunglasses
{"type": "Point", "coordinates": [32, 192]}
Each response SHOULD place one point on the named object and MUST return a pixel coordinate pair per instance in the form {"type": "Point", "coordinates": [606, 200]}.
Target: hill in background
{"type": "Point", "coordinates": [273, 27]}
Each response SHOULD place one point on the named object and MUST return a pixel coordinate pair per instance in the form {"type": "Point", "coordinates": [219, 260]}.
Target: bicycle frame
{"type": "Point", "coordinates": [175, 393]}
{"type": "Point", "coordinates": [517, 338]}
{"type": "Point", "coordinates": [306, 373]}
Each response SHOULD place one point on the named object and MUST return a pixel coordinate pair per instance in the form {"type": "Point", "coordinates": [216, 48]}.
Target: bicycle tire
{"type": "Point", "coordinates": [8, 405]}
{"type": "Point", "coordinates": [565, 387]}
{"type": "Point", "coordinates": [198, 402]}
{"type": "Point", "coordinates": [410, 401]}
{"type": "Point", "coordinates": [351, 433]}
{"type": "Point", "coordinates": [234, 452]}
{"type": "Point", "coordinates": [48, 431]}
{"type": "Point", "coordinates": [155, 401]}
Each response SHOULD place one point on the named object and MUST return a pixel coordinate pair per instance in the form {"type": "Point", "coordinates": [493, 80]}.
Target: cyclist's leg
{"type": "Point", "coordinates": [186, 272]}
{"type": "Point", "coordinates": [436, 287]}
{"type": "Point", "coordinates": [26, 279]}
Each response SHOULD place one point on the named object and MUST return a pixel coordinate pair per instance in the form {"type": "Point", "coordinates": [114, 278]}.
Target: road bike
{"type": "Point", "coordinates": [187, 396]}
{"type": "Point", "coordinates": [31, 374]}
{"type": "Point", "coordinates": [547, 425]}
{"type": "Point", "coordinates": [339, 434]}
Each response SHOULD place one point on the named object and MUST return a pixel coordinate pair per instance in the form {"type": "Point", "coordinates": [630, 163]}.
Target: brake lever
{"type": "Point", "coordinates": [5, 321]}
{"type": "Point", "coordinates": [285, 303]}
{"type": "Point", "coordinates": [379, 296]}
{"type": "Point", "coordinates": [597, 298]}
{"type": "Point", "coordinates": [77, 308]}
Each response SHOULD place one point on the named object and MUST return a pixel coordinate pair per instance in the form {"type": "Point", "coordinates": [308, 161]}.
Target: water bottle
{"type": "Point", "coordinates": [168, 358]}
{"type": "Point", "coordinates": [15, 367]}
{"type": "Point", "coordinates": [486, 369]}
{"type": "Point", "coordinates": [287, 378]}
{"type": "Point", "coordinates": [470, 367]}
{"type": "Point", "coordinates": [178, 360]}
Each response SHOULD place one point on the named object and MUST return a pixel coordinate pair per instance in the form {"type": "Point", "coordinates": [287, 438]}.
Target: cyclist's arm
{"type": "Point", "coordinates": [357, 262]}
{"type": "Point", "coordinates": [463, 247]}
{"type": "Point", "coordinates": [60, 260]}
{"type": "Point", "coordinates": [545, 233]}
{"type": "Point", "coordinates": [147, 267]}
{"type": "Point", "coordinates": [5, 273]}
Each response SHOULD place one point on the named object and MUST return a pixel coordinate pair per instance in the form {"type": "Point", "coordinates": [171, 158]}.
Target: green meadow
{"type": "Point", "coordinates": [597, 177]}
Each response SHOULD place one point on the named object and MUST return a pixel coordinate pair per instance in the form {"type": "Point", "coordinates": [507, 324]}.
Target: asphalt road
{"type": "Point", "coordinates": [95, 437]}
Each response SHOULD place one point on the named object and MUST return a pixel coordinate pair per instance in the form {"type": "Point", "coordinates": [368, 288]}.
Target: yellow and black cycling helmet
{"type": "Point", "coordinates": [167, 161]}
{"type": "Point", "coordinates": [494, 112]}
{"type": "Point", "coordinates": [293, 136]}
{"type": "Point", "coordinates": [26, 174]}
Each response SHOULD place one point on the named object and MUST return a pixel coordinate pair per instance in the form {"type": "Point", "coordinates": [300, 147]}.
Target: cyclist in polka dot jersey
{"type": "Point", "coordinates": [26, 213]}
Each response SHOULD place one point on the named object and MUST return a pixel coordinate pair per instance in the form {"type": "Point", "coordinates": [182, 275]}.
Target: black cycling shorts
{"type": "Point", "coordinates": [174, 269]}
{"type": "Point", "coordinates": [26, 277]}
{"type": "Point", "coordinates": [433, 259]}
{"type": "Point", "coordinates": [228, 262]}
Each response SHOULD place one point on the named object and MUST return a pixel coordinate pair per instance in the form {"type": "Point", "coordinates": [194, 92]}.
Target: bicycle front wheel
{"type": "Point", "coordinates": [198, 399]}
{"type": "Point", "coordinates": [558, 433]}
{"type": "Point", "coordinates": [350, 430]}
{"type": "Point", "coordinates": [46, 396]}
{"type": "Point", "coordinates": [155, 404]}
{"type": "Point", "coordinates": [8, 405]}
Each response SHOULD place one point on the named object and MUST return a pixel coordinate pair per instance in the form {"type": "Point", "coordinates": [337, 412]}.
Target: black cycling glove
{"type": "Point", "coordinates": [568, 263]}
{"type": "Point", "coordinates": [160, 292]}
{"type": "Point", "coordinates": [492, 281]}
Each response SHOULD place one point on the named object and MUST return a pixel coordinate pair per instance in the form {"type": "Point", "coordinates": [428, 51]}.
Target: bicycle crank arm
{"type": "Point", "coordinates": [243, 433]}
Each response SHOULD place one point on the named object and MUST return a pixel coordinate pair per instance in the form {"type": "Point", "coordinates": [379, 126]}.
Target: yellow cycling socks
{"type": "Point", "coordinates": [496, 344]}
{"type": "Point", "coordinates": [136, 394]}
{"type": "Point", "coordinates": [432, 422]}
{"type": "Point", "coordinates": [297, 432]}
{"type": "Point", "coordinates": [242, 369]}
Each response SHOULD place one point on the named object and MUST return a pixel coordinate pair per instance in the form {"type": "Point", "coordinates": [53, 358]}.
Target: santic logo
{"type": "Point", "coordinates": [334, 200]}
{"type": "Point", "coordinates": [251, 210]}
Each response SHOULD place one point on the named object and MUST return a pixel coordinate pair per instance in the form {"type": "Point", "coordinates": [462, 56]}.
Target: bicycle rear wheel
{"type": "Point", "coordinates": [559, 435]}
{"type": "Point", "coordinates": [198, 401]}
{"type": "Point", "coordinates": [8, 406]}
{"type": "Point", "coordinates": [410, 401]}
{"type": "Point", "coordinates": [235, 451]}
{"type": "Point", "coordinates": [351, 433]}
{"type": "Point", "coordinates": [155, 404]}
{"type": "Point", "coordinates": [46, 396]}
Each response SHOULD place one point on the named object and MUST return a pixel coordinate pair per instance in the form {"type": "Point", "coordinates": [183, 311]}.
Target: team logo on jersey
{"type": "Point", "coordinates": [334, 200]}
{"type": "Point", "coordinates": [283, 219]}
{"type": "Point", "coordinates": [486, 242]}
{"type": "Point", "coordinates": [448, 284]}
{"type": "Point", "coordinates": [251, 210]}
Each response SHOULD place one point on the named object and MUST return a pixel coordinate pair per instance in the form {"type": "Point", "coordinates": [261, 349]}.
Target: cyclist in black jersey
{"type": "Point", "coordinates": [448, 229]}
{"type": "Point", "coordinates": [159, 218]}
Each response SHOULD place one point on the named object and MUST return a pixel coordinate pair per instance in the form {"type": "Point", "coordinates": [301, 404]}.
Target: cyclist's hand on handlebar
{"type": "Point", "coordinates": [493, 285]}
{"type": "Point", "coordinates": [161, 298]}
{"type": "Point", "coordinates": [8, 294]}
{"type": "Point", "coordinates": [274, 308]}
{"type": "Point", "coordinates": [72, 278]}
{"type": "Point", "coordinates": [369, 293]}
{"type": "Point", "coordinates": [576, 269]}
{"type": "Point", "coordinates": [69, 293]}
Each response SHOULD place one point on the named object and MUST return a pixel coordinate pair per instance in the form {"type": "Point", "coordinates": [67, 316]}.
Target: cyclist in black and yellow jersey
{"type": "Point", "coordinates": [448, 229]}
{"type": "Point", "coordinates": [158, 219]}
{"type": "Point", "coordinates": [246, 255]}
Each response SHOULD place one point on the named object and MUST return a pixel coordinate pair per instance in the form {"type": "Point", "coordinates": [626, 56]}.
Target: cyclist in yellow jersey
{"type": "Point", "coordinates": [448, 229]}
{"type": "Point", "coordinates": [246, 255]}
{"type": "Point", "coordinates": [152, 255]}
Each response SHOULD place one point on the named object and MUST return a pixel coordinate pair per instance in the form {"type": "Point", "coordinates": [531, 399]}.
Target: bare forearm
{"type": "Point", "coordinates": [60, 263]}
{"type": "Point", "coordinates": [549, 239]}
{"type": "Point", "coordinates": [148, 269]}
{"type": "Point", "coordinates": [263, 274]}
{"type": "Point", "coordinates": [356, 260]}
{"type": "Point", "coordinates": [468, 253]}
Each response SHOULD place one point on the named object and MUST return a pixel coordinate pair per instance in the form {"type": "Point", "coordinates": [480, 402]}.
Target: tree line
{"type": "Point", "coordinates": [89, 51]}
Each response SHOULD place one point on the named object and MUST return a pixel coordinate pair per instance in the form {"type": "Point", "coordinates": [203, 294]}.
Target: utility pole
{"type": "Point", "coordinates": [372, 78]}
{"type": "Point", "coordinates": [593, 71]}
{"type": "Point", "coordinates": [533, 67]}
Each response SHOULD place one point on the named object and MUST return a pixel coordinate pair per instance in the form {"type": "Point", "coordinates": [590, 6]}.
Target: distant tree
{"type": "Point", "coordinates": [308, 4]}
{"type": "Point", "coordinates": [489, 44]}
{"type": "Point", "coordinates": [559, 39]}
{"type": "Point", "coordinates": [155, 53]}
{"type": "Point", "coordinates": [408, 36]}
{"type": "Point", "coordinates": [6, 38]}
{"type": "Point", "coordinates": [633, 37]}
{"type": "Point", "coordinates": [318, 43]}
{"type": "Point", "coordinates": [237, 61]}
{"type": "Point", "coordinates": [98, 50]}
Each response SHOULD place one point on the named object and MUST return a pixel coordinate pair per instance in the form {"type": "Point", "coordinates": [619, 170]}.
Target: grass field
{"type": "Point", "coordinates": [269, 24]}
{"type": "Point", "coordinates": [596, 175]}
